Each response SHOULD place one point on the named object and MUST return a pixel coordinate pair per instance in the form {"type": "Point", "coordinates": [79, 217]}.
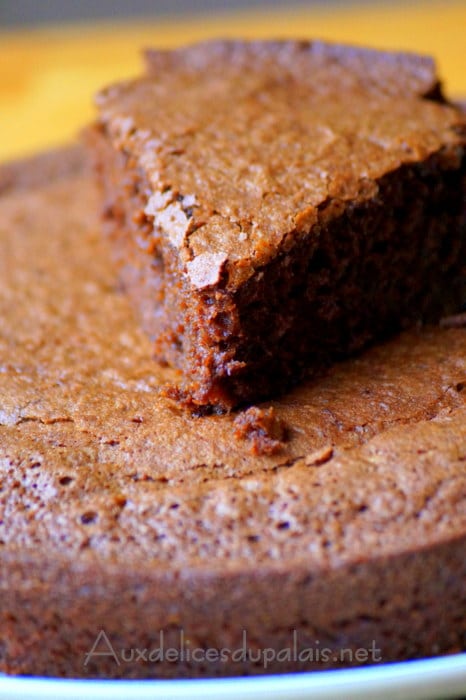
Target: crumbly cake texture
{"type": "Point", "coordinates": [273, 205]}
{"type": "Point", "coordinates": [119, 511]}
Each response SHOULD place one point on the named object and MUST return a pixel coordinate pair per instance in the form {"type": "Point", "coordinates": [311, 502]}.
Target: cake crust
{"type": "Point", "coordinates": [276, 204]}
{"type": "Point", "coordinates": [120, 511]}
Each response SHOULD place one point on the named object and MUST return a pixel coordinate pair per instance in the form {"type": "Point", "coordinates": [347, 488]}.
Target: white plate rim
{"type": "Point", "coordinates": [441, 677]}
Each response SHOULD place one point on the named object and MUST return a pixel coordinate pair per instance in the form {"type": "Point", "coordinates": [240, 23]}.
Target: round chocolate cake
{"type": "Point", "coordinates": [333, 518]}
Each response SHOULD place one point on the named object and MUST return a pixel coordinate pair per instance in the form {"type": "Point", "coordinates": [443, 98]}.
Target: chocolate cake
{"type": "Point", "coordinates": [274, 205]}
{"type": "Point", "coordinates": [123, 514]}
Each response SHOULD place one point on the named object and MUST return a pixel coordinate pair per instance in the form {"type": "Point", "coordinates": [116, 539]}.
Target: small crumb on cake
{"type": "Point", "coordinates": [263, 428]}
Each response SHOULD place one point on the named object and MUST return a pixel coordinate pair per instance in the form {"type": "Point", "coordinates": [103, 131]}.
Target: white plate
{"type": "Point", "coordinates": [443, 677]}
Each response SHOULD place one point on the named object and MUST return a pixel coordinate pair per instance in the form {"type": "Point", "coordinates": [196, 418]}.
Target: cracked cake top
{"type": "Point", "coordinates": [242, 143]}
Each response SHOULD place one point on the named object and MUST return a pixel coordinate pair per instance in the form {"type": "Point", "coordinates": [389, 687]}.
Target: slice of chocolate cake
{"type": "Point", "coordinates": [275, 205]}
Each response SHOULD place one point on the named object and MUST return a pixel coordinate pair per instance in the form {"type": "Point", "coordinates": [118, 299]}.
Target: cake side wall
{"type": "Point", "coordinates": [369, 611]}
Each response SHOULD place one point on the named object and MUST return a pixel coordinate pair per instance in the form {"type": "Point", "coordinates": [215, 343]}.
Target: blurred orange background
{"type": "Point", "coordinates": [49, 75]}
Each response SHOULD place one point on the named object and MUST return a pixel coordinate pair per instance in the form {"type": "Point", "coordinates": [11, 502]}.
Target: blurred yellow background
{"type": "Point", "coordinates": [49, 75]}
